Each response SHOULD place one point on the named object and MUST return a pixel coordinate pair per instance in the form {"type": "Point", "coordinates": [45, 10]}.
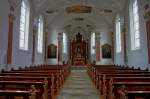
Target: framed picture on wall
{"type": "Point", "coordinates": [106, 51]}
{"type": "Point", "coordinates": [52, 51]}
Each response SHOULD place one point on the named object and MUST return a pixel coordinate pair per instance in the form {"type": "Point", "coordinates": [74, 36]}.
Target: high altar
{"type": "Point", "coordinates": [78, 50]}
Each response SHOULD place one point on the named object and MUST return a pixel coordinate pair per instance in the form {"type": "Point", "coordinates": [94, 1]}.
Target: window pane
{"type": "Point", "coordinates": [135, 10]}
{"type": "Point", "coordinates": [22, 33]}
{"type": "Point", "coordinates": [135, 3]}
{"type": "Point", "coordinates": [136, 26]}
{"type": "Point", "coordinates": [23, 4]}
{"type": "Point", "coordinates": [23, 11]}
{"type": "Point", "coordinates": [21, 43]}
{"type": "Point", "coordinates": [22, 27]}
{"type": "Point", "coordinates": [64, 43]}
{"type": "Point", "coordinates": [137, 43]}
{"type": "Point", "coordinates": [137, 34]}
{"type": "Point", "coordinates": [22, 19]}
{"type": "Point", "coordinates": [136, 17]}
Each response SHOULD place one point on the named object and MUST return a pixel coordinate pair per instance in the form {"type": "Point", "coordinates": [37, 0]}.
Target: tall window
{"type": "Point", "coordinates": [64, 43]}
{"type": "Point", "coordinates": [118, 35]}
{"type": "Point", "coordinates": [24, 25]}
{"type": "Point", "coordinates": [93, 43]}
{"type": "Point", "coordinates": [135, 31]}
{"type": "Point", "coordinates": [40, 35]}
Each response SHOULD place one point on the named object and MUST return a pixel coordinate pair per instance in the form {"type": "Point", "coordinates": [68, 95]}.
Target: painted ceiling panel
{"type": "Point", "coordinates": [101, 9]}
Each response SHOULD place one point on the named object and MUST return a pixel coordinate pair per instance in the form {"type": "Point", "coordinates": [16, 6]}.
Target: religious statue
{"type": "Point", "coordinates": [79, 37]}
{"type": "Point", "coordinates": [79, 51]}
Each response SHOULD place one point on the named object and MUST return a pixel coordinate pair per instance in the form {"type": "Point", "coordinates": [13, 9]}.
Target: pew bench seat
{"type": "Point", "coordinates": [17, 94]}
{"type": "Point", "coordinates": [138, 94]}
{"type": "Point", "coordinates": [25, 86]}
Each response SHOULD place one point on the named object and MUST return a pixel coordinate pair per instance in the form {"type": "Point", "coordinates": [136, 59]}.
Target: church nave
{"type": "Point", "coordinates": [74, 49]}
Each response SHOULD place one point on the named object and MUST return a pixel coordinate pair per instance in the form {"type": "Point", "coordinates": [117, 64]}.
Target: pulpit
{"type": "Point", "coordinates": [78, 50]}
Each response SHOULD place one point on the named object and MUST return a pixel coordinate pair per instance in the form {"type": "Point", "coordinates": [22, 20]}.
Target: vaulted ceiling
{"type": "Point", "coordinates": [103, 12]}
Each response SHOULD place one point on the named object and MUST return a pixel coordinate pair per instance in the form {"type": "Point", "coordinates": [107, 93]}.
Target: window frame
{"type": "Point", "coordinates": [135, 33]}
{"type": "Point", "coordinates": [93, 43]}
{"type": "Point", "coordinates": [24, 25]}
{"type": "Point", "coordinates": [64, 43]}
{"type": "Point", "coordinates": [118, 34]}
{"type": "Point", "coordinates": [40, 32]}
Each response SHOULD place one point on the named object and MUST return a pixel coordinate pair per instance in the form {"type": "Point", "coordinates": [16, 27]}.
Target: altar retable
{"type": "Point", "coordinates": [79, 50]}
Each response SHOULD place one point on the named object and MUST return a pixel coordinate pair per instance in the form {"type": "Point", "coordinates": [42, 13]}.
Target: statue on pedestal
{"type": "Point", "coordinates": [79, 52]}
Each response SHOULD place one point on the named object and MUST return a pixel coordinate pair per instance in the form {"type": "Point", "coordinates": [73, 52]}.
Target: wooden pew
{"type": "Point", "coordinates": [61, 75]}
{"type": "Point", "coordinates": [117, 89]}
{"type": "Point", "coordinates": [17, 94]}
{"type": "Point", "coordinates": [107, 79]}
{"type": "Point", "coordinates": [64, 69]}
{"type": "Point", "coordinates": [57, 78]}
{"type": "Point", "coordinates": [26, 85]}
{"type": "Point", "coordinates": [54, 75]}
{"type": "Point", "coordinates": [49, 86]}
{"type": "Point", "coordinates": [138, 94]}
{"type": "Point", "coordinates": [51, 67]}
{"type": "Point", "coordinates": [101, 78]}
{"type": "Point", "coordinates": [94, 70]}
{"type": "Point", "coordinates": [99, 74]}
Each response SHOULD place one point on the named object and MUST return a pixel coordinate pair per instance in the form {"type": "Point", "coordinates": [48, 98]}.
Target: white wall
{"type": "Point", "coordinates": [105, 37]}
{"type": "Point", "coordinates": [137, 58]}
{"type": "Point", "coordinates": [39, 57]}
{"type": "Point", "coordinates": [119, 56]}
{"type": "Point", "coordinates": [19, 57]}
{"type": "Point", "coordinates": [4, 10]}
{"type": "Point", "coordinates": [52, 39]}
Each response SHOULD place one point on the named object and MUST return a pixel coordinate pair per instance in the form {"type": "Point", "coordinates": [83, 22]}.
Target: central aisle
{"type": "Point", "coordinates": [78, 86]}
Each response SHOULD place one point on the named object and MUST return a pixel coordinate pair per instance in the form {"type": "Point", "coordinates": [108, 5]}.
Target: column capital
{"type": "Point", "coordinates": [11, 14]}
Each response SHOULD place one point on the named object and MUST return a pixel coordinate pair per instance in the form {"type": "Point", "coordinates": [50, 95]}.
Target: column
{"type": "Point", "coordinates": [147, 19]}
{"type": "Point", "coordinates": [97, 35]}
{"type": "Point", "coordinates": [33, 44]}
{"type": "Point", "coordinates": [112, 48]}
{"type": "Point", "coordinates": [87, 52]}
{"type": "Point", "coordinates": [45, 56]}
{"type": "Point", "coordinates": [70, 52]}
{"type": "Point", "coordinates": [59, 48]}
{"type": "Point", "coordinates": [125, 49]}
{"type": "Point", "coordinates": [10, 35]}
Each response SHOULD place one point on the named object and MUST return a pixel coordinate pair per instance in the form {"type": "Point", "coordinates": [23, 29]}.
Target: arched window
{"type": "Point", "coordinates": [64, 43]}
{"type": "Point", "coordinates": [93, 43]}
{"type": "Point", "coordinates": [40, 35]}
{"type": "Point", "coordinates": [134, 25]}
{"type": "Point", "coordinates": [118, 34]}
{"type": "Point", "coordinates": [24, 25]}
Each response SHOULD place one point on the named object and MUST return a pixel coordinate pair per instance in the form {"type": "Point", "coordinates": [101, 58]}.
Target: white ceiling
{"type": "Point", "coordinates": [94, 18]}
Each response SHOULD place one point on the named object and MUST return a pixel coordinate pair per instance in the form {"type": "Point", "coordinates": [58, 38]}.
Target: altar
{"type": "Point", "coordinates": [78, 50]}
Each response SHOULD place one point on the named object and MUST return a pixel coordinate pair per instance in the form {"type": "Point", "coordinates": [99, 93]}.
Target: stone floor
{"type": "Point", "coordinates": [78, 86]}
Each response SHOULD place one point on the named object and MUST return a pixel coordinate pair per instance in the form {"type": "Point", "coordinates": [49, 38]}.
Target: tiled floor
{"type": "Point", "coordinates": [78, 86]}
